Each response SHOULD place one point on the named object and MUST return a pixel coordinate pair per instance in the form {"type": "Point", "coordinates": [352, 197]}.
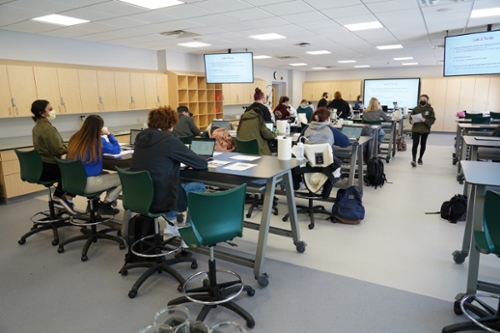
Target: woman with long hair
{"type": "Point", "coordinates": [49, 144]}
{"type": "Point", "coordinates": [374, 113]}
{"type": "Point", "coordinates": [87, 145]}
{"type": "Point", "coordinates": [259, 106]}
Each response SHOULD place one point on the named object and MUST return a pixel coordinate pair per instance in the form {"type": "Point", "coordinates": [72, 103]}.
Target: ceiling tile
{"type": "Point", "coordinates": [322, 4]}
{"type": "Point", "coordinates": [44, 6]}
{"type": "Point", "coordinates": [237, 26]}
{"type": "Point", "coordinates": [355, 14]}
{"type": "Point", "coordinates": [248, 14]}
{"type": "Point", "coordinates": [179, 25]}
{"type": "Point", "coordinates": [266, 22]}
{"type": "Point", "coordinates": [223, 6]}
{"type": "Point", "coordinates": [260, 3]}
{"type": "Point", "coordinates": [392, 6]}
{"type": "Point", "coordinates": [10, 15]}
{"type": "Point", "coordinates": [91, 15]}
{"type": "Point", "coordinates": [153, 17]}
{"type": "Point", "coordinates": [205, 31]}
{"type": "Point", "coordinates": [288, 8]}
{"type": "Point", "coordinates": [306, 18]}
{"type": "Point", "coordinates": [31, 26]}
{"type": "Point", "coordinates": [116, 7]}
{"type": "Point", "coordinates": [124, 22]}
{"type": "Point", "coordinates": [68, 32]}
{"type": "Point", "coordinates": [211, 20]}
{"type": "Point", "coordinates": [184, 11]}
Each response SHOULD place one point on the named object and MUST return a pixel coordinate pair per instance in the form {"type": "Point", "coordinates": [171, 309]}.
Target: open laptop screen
{"type": "Point", "coordinates": [270, 126]}
{"type": "Point", "coordinates": [133, 135]}
{"type": "Point", "coordinates": [352, 132]}
{"type": "Point", "coordinates": [221, 124]}
{"type": "Point", "coordinates": [203, 147]}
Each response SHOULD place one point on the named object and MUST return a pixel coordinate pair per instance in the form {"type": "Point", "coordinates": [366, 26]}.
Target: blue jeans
{"type": "Point", "coordinates": [381, 135]}
{"type": "Point", "coordinates": [188, 187]}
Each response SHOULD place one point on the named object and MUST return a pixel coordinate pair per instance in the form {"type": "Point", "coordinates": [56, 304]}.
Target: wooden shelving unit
{"type": "Point", "coordinates": [203, 100]}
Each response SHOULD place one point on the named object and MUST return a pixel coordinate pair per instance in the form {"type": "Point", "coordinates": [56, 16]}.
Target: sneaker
{"type": "Point", "coordinates": [68, 206]}
{"type": "Point", "coordinates": [57, 203]}
{"type": "Point", "coordinates": [420, 162]}
{"type": "Point", "coordinates": [106, 209]}
{"type": "Point", "coordinates": [172, 230]}
{"type": "Point", "coordinates": [413, 164]}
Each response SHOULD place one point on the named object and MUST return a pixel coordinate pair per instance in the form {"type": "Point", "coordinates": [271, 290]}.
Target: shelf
{"type": "Point", "coordinates": [218, 86]}
{"type": "Point", "coordinates": [210, 86]}
{"type": "Point", "coordinates": [182, 82]}
{"type": "Point", "coordinates": [193, 108]}
{"type": "Point", "coordinates": [210, 96]}
{"type": "Point", "coordinates": [192, 82]}
{"type": "Point", "coordinates": [218, 95]}
{"type": "Point", "coordinates": [202, 95]}
{"type": "Point", "coordinates": [183, 96]}
{"type": "Point", "coordinates": [202, 83]}
{"type": "Point", "coordinates": [203, 108]}
{"type": "Point", "coordinates": [193, 96]}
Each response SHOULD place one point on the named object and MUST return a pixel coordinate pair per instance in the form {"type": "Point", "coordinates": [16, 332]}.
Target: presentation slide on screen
{"type": "Point", "coordinates": [472, 54]}
{"type": "Point", "coordinates": [403, 91]}
{"type": "Point", "coordinates": [229, 68]}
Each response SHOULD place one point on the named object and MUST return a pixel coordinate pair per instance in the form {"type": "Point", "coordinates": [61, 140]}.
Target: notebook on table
{"type": "Point", "coordinates": [131, 144]}
{"type": "Point", "coordinates": [204, 147]}
{"type": "Point", "coordinates": [352, 132]}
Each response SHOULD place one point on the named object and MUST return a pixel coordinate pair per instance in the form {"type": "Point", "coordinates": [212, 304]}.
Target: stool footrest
{"type": "Point", "coordinates": [213, 295]}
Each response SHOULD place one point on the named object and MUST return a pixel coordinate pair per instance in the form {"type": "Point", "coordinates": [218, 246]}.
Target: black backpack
{"type": "Point", "coordinates": [375, 175]}
{"type": "Point", "coordinates": [455, 209]}
{"type": "Point", "coordinates": [139, 227]}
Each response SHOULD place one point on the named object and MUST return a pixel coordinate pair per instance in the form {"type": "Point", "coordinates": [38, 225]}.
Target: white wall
{"type": "Point", "coordinates": [184, 62]}
{"type": "Point", "coordinates": [32, 47]}
{"type": "Point", "coordinates": [297, 78]}
{"type": "Point", "coordinates": [375, 73]}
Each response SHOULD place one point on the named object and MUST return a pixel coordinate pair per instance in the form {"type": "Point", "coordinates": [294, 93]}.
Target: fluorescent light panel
{"type": "Point", "coordinates": [361, 66]}
{"type": "Point", "coordinates": [346, 61]}
{"type": "Point", "coordinates": [319, 68]}
{"type": "Point", "coordinates": [261, 57]}
{"type": "Point", "coordinates": [60, 20]}
{"type": "Point", "coordinates": [194, 44]}
{"type": "Point", "coordinates": [409, 63]}
{"type": "Point", "coordinates": [403, 58]}
{"type": "Point", "coordinates": [364, 26]}
{"type": "Point", "coordinates": [271, 36]}
{"type": "Point", "coordinates": [153, 4]}
{"type": "Point", "coordinates": [390, 47]}
{"type": "Point", "coordinates": [319, 52]}
{"type": "Point", "coordinates": [298, 64]}
{"type": "Point", "coordinates": [485, 12]}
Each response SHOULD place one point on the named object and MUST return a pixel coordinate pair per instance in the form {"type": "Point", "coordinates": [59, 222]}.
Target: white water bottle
{"type": "Point", "coordinates": [299, 150]}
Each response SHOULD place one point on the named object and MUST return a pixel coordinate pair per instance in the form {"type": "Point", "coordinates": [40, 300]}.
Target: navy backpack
{"type": "Point", "coordinates": [348, 208]}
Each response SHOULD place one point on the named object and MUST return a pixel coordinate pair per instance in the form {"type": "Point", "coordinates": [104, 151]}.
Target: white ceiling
{"type": "Point", "coordinates": [227, 24]}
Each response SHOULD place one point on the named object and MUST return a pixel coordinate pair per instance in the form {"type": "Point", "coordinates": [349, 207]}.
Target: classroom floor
{"type": "Point", "coordinates": [392, 273]}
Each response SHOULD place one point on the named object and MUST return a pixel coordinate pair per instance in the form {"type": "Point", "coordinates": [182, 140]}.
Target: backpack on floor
{"type": "Point", "coordinates": [348, 208]}
{"type": "Point", "coordinates": [375, 175]}
{"type": "Point", "coordinates": [401, 144]}
{"type": "Point", "coordinates": [139, 227]}
{"type": "Point", "coordinates": [455, 209]}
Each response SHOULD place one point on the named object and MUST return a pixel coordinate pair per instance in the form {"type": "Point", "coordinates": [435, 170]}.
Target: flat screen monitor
{"type": "Point", "coordinates": [229, 67]}
{"type": "Point", "coordinates": [270, 126]}
{"type": "Point", "coordinates": [221, 124]}
{"type": "Point", "coordinates": [403, 91]}
{"type": "Point", "coordinates": [472, 54]}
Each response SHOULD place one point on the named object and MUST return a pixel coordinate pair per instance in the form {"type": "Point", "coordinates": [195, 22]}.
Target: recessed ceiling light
{"type": "Point", "coordinates": [319, 67]}
{"type": "Point", "coordinates": [346, 61]}
{"type": "Point", "coordinates": [261, 57]}
{"type": "Point", "coordinates": [390, 47]}
{"type": "Point", "coordinates": [362, 66]}
{"type": "Point", "coordinates": [153, 4]}
{"type": "Point", "coordinates": [271, 36]}
{"type": "Point", "coordinates": [60, 20]}
{"type": "Point", "coordinates": [485, 12]}
{"type": "Point", "coordinates": [194, 44]}
{"type": "Point", "coordinates": [298, 64]}
{"type": "Point", "coordinates": [409, 63]}
{"type": "Point", "coordinates": [364, 26]}
{"type": "Point", "coordinates": [319, 52]}
{"type": "Point", "coordinates": [403, 58]}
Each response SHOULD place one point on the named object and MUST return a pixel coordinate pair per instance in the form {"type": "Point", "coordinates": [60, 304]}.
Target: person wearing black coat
{"type": "Point", "coordinates": [323, 102]}
{"type": "Point", "coordinates": [259, 106]}
{"type": "Point", "coordinates": [343, 108]}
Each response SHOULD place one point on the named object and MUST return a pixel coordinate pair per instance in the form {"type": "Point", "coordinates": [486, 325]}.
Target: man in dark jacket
{"type": "Point", "coordinates": [342, 107]}
{"type": "Point", "coordinates": [158, 151]}
{"type": "Point", "coordinates": [186, 125]}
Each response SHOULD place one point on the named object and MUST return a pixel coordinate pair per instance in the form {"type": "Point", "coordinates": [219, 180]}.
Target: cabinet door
{"type": "Point", "coordinates": [22, 89]}
{"type": "Point", "coordinates": [47, 86]}
{"type": "Point", "coordinates": [438, 102]}
{"type": "Point", "coordinates": [138, 91]}
{"type": "Point", "coordinates": [466, 98]}
{"type": "Point", "coordinates": [451, 104]}
{"type": "Point", "coordinates": [150, 90]}
{"type": "Point", "coordinates": [69, 88]}
{"type": "Point", "coordinates": [345, 90]}
{"type": "Point", "coordinates": [122, 85]}
{"type": "Point", "coordinates": [5, 101]}
{"type": "Point", "coordinates": [494, 94]}
{"type": "Point", "coordinates": [325, 86]}
{"type": "Point", "coordinates": [336, 86]}
{"type": "Point", "coordinates": [355, 89]}
{"type": "Point", "coordinates": [480, 95]}
{"type": "Point", "coordinates": [89, 91]}
{"type": "Point", "coordinates": [162, 89]}
{"type": "Point", "coordinates": [317, 91]}
{"type": "Point", "coordinates": [226, 93]}
{"type": "Point", "coordinates": [307, 91]}
{"type": "Point", "coordinates": [107, 90]}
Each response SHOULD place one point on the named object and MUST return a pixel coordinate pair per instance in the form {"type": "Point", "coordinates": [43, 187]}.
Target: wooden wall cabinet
{"type": "Point", "coordinates": [5, 97]}
{"type": "Point", "coordinates": [162, 89]}
{"type": "Point", "coordinates": [89, 90]}
{"type": "Point", "coordinates": [22, 89]}
{"type": "Point", "coordinates": [122, 84]}
{"type": "Point", "coordinates": [242, 93]}
{"type": "Point", "coordinates": [313, 91]}
{"type": "Point", "coordinates": [47, 86]}
{"type": "Point", "coordinates": [137, 91]}
{"type": "Point", "coordinates": [107, 91]}
{"type": "Point", "coordinates": [69, 89]}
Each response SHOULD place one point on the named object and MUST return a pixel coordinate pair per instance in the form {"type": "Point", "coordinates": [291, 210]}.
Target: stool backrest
{"type": "Point", "coordinates": [480, 120]}
{"type": "Point", "coordinates": [473, 115]}
{"type": "Point", "coordinates": [247, 146]}
{"type": "Point", "coordinates": [186, 139]}
{"type": "Point", "coordinates": [491, 221]}
{"type": "Point", "coordinates": [31, 165]}
{"type": "Point", "coordinates": [137, 190]}
{"type": "Point", "coordinates": [495, 115]}
{"type": "Point", "coordinates": [217, 217]}
{"type": "Point", "coordinates": [376, 122]}
{"type": "Point", "coordinates": [73, 176]}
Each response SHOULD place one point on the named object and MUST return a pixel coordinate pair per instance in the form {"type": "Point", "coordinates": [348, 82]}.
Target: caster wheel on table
{"type": "Point", "coordinates": [285, 218]}
{"type": "Point", "coordinates": [55, 242]}
{"type": "Point", "coordinates": [21, 241]}
{"type": "Point", "coordinates": [251, 292]}
{"type": "Point", "coordinates": [124, 272]}
{"type": "Point", "coordinates": [60, 250]}
{"type": "Point", "coordinates": [194, 265]}
{"type": "Point", "coordinates": [248, 216]}
{"type": "Point", "coordinates": [132, 294]}
{"type": "Point", "coordinates": [122, 246]}
{"type": "Point", "coordinates": [300, 247]}
{"type": "Point", "coordinates": [456, 308]}
{"type": "Point", "coordinates": [84, 258]}
{"type": "Point", "coordinates": [275, 213]}
{"type": "Point", "coordinates": [263, 281]}
{"type": "Point", "coordinates": [311, 226]}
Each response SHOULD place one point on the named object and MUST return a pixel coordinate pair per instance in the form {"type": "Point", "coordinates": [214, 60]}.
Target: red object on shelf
{"type": "Point", "coordinates": [217, 97]}
{"type": "Point", "coordinates": [216, 110]}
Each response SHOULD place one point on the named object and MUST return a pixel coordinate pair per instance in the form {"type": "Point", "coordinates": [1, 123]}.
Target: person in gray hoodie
{"type": "Point", "coordinates": [320, 131]}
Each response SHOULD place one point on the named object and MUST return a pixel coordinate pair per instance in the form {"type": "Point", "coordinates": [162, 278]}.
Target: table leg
{"type": "Point", "coordinates": [460, 255]}
{"type": "Point", "coordinates": [457, 142]}
{"type": "Point", "coordinates": [292, 211]}
{"type": "Point", "coordinates": [463, 153]}
{"type": "Point", "coordinates": [477, 224]}
{"type": "Point", "coordinates": [375, 143]}
{"type": "Point", "coordinates": [401, 126]}
{"type": "Point", "coordinates": [352, 169]}
{"type": "Point", "coordinates": [360, 168]}
{"type": "Point", "coordinates": [127, 215]}
{"type": "Point", "coordinates": [394, 140]}
{"type": "Point", "coordinates": [473, 153]}
{"type": "Point", "coordinates": [265, 222]}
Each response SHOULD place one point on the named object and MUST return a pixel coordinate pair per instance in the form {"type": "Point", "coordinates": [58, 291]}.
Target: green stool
{"type": "Point", "coordinates": [247, 146]}
{"type": "Point", "coordinates": [186, 139]}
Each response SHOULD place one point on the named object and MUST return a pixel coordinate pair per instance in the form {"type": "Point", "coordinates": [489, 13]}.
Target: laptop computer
{"type": "Point", "coordinates": [352, 132]}
{"type": "Point", "coordinates": [270, 126]}
{"type": "Point", "coordinates": [131, 144]}
{"type": "Point", "coordinates": [203, 147]}
{"type": "Point", "coordinates": [221, 124]}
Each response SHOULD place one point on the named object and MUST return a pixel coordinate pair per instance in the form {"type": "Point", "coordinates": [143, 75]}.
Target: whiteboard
{"type": "Point", "coordinates": [403, 91]}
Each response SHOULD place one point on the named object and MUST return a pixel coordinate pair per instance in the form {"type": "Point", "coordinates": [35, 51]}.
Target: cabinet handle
{"type": "Point", "coordinates": [10, 112]}
{"type": "Point", "coordinates": [98, 107]}
{"type": "Point", "coordinates": [17, 111]}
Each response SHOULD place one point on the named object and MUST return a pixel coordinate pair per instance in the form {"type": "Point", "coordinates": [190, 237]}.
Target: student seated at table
{"type": "Point", "coordinates": [374, 113]}
{"type": "Point", "coordinates": [161, 153]}
{"type": "Point", "coordinates": [252, 126]}
{"type": "Point", "coordinates": [87, 145]}
{"type": "Point", "coordinates": [185, 125]}
{"type": "Point", "coordinates": [49, 144]}
{"type": "Point", "coordinates": [282, 111]}
{"type": "Point", "coordinates": [306, 109]}
{"type": "Point", "coordinates": [321, 131]}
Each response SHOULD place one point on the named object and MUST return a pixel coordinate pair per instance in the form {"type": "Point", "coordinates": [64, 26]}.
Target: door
{"type": "Point", "coordinates": [122, 85]}
{"type": "Point", "coordinates": [107, 90]}
{"type": "Point", "coordinates": [89, 92]}
{"type": "Point", "coordinates": [69, 89]}
{"type": "Point", "coordinates": [47, 86]}
{"type": "Point", "coordinates": [22, 89]}
{"type": "Point", "coordinates": [5, 101]}
{"type": "Point", "coordinates": [138, 91]}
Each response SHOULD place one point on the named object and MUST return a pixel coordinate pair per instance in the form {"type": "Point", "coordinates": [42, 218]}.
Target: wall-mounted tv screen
{"type": "Point", "coordinates": [229, 67]}
{"type": "Point", "coordinates": [472, 54]}
{"type": "Point", "coordinates": [403, 91]}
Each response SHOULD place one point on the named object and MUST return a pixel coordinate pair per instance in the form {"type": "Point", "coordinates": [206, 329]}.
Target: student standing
{"type": "Point", "coordinates": [186, 126]}
{"type": "Point", "coordinates": [252, 126]}
{"type": "Point", "coordinates": [49, 144]}
{"type": "Point", "coordinates": [358, 105]}
{"type": "Point", "coordinates": [88, 145]}
{"type": "Point", "coordinates": [342, 107]}
{"type": "Point", "coordinates": [323, 102]}
{"type": "Point", "coordinates": [421, 129]}
{"type": "Point", "coordinates": [259, 106]}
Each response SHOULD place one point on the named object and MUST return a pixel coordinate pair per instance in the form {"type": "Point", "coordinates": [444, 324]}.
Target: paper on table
{"type": "Point", "coordinates": [215, 163]}
{"type": "Point", "coordinates": [416, 117]}
{"type": "Point", "coordinates": [240, 166]}
{"type": "Point", "coordinates": [245, 157]}
{"type": "Point", "coordinates": [121, 154]}
{"type": "Point", "coordinates": [217, 153]}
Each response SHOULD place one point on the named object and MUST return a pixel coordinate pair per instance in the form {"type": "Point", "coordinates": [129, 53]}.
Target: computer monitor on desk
{"type": "Point", "coordinates": [385, 108]}
{"type": "Point", "coordinates": [220, 124]}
